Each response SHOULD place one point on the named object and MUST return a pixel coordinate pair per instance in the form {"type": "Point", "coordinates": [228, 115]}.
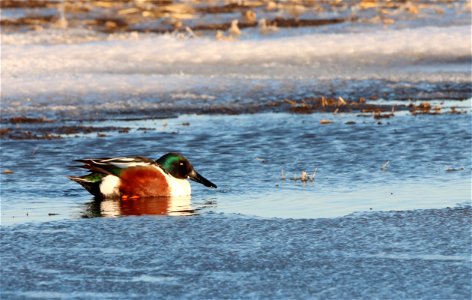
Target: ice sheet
{"type": "Point", "coordinates": [139, 70]}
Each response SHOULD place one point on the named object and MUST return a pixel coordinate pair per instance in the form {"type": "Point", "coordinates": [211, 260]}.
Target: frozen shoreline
{"type": "Point", "coordinates": [155, 71]}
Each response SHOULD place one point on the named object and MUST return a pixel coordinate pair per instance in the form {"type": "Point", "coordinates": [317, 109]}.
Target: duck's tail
{"type": "Point", "coordinates": [90, 182]}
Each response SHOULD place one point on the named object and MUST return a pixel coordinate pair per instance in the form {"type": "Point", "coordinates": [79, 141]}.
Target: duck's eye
{"type": "Point", "coordinates": [181, 163]}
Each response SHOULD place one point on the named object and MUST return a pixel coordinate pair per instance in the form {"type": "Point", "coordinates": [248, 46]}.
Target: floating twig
{"type": "Point", "coordinates": [451, 169]}
{"type": "Point", "coordinates": [305, 177]}
{"type": "Point", "coordinates": [282, 175]}
{"type": "Point", "coordinates": [385, 166]}
{"type": "Point", "coordinates": [325, 121]}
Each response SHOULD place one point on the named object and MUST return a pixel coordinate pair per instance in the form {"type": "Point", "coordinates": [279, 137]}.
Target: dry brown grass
{"type": "Point", "coordinates": [125, 15]}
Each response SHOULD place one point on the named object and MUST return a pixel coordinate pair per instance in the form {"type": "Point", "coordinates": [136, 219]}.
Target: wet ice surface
{"type": "Point", "coordinates": [151, 72]}
{"type": "Point", "coordinates": [390, 255]}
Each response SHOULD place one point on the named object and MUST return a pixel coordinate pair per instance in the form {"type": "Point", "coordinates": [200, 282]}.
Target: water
{"type": "Point", "coordinates": [387, 214]}
{"type": "Point", "coordinates": [394, 255]}
{"type": "Point", "coordinates": [245, 156]}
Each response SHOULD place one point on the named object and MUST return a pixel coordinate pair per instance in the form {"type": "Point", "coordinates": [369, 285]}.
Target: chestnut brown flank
{"type": "Point", "coordinates": [143, 182]}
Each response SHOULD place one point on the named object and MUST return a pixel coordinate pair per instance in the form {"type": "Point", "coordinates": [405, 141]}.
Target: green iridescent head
{"type": "Point", "coordinates": [178, 166]}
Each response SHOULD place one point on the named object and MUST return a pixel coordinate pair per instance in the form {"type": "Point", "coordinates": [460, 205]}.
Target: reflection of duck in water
{"type": "Point", "coordinates": [133, 178]}
{"type": "Point", "coordinates": [172, 206]}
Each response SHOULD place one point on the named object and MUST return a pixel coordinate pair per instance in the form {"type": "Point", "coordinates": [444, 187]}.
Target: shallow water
{"type": "Point", "coordinates": [404, 162]}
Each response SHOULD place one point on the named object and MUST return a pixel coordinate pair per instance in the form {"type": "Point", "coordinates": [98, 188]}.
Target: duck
{"type": "Point", "coordinates": [139, 177]}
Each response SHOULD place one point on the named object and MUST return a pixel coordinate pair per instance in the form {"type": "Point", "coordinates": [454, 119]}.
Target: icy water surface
{"type": "Point", "coordinates": [388, 255]}
{"type": "Point", "coordinates": [361, 164]}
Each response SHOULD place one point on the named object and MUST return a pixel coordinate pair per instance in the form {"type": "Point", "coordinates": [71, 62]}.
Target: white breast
{"type": "Point", "coordinates": [110, 186]}
{"type": "Point", "coordinates": [179, 187]}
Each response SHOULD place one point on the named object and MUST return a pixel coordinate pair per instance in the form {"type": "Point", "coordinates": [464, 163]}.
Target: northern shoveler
{"type": "Point", "coordinates": [136, 177]}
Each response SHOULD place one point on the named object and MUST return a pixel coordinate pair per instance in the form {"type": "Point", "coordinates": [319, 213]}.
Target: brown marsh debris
{"type": "Point", "coordinates": [425, 108]}
{"type": "Point", "coordinates": [335, 105]}
{"type": "Point", "coordinates": [159, 16]}
{"type": "Point", "coordinates": [23, 134]}
{"type": "Point", "coordinates": [170, 15]}
{"type": "Point", "coordinates": [54, 132]}
{"type": "Point", "coordinates": [39, 128]}
{"type": "Point", "coordinates": [305, 177]}
{"type": "Point", "coordinates": [325, 121]}
{"type": "Point", "coordinates": [452, 169]}
{"type": "Point", "coordinates": [26, 120]}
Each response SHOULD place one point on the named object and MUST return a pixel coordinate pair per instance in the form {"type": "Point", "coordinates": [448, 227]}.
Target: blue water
{"type": "Point", "coordinates": [362, 229]}
{"type": "Point", "coordinates": [426, 158]}
{"type": "Point", "coordinates": [390, 255]}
